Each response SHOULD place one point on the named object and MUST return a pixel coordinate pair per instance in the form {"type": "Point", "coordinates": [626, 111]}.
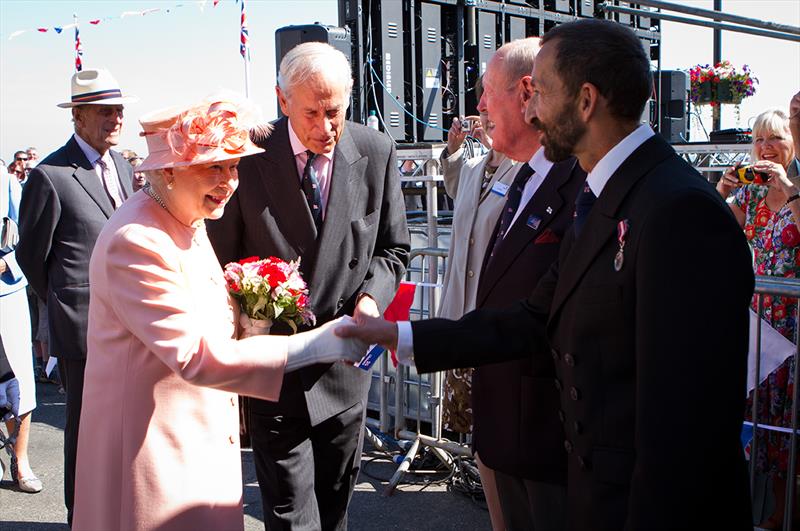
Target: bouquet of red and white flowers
{"type": "Point", "coordinates": [268, 290]}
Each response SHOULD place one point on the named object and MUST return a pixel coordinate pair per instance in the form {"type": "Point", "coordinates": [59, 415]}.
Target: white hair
{"type": "Point", "coordinates": [518, 57]}
{"type": "Point", "coordinates": [311, 59]}
{"type": "Point", "coordinates": [771, 122]}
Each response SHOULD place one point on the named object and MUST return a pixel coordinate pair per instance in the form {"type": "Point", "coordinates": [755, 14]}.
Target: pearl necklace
{"type": "Point", "coordinates": [154, 195]}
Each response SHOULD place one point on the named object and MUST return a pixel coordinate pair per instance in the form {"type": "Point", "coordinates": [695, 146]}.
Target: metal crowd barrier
{"type": "Point", "coordinates": [424, 405]}
{"type": "Point", "coordinates": [782, 287]}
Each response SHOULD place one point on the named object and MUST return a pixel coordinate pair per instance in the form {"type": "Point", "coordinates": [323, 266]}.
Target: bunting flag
{"type": "Point", "coordinates": [244, 45]}
{"type": "Point", "coordinates": [78, 50]}
{"type": "Point", "coordinates": [98, 21]}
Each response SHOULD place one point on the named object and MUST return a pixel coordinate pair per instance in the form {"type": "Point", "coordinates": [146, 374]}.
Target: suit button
{"type": "Point", "coordinates": [558, 384]}
{"type": "Point", "coordinates": [578, 427]}
{"type": "Point", "coordinates": [470, 274]}
{"type": "Point", "coordinates": [582, 462]}
{"type": "Point", "coordinates": [569, 360]}
{"type": "Point", "coordinates": [574, 393]}
{"type": "Point", "coordinates": [568, 447]}
{"type": "Point", "coordinates": [353, 263]}
{"type": "Point", "coordinates": [230, 439]}
{"type": "Point", "coordinates": [554, 352]}
{"type": "Point", "coordinates": [561, 416]}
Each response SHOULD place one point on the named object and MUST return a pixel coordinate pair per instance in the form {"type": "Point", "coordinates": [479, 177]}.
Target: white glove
{"type": "Point", "coordinates": [320, 345]}
{"type": "Point", "coordinates": [9, 398]}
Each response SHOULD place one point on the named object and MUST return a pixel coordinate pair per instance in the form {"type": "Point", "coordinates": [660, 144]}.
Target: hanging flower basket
{"type": "Point", "coordinates": [721, 84]}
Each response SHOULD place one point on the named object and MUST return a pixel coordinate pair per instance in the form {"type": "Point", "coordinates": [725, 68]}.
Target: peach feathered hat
{"type": "Point", "coordinates": [211, 131]}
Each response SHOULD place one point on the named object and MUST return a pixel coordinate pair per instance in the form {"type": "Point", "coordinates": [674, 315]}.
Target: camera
{"type": "Point", "coordinates": [466, 125]}
{"type": "Point", "coordinates": [747, 175]}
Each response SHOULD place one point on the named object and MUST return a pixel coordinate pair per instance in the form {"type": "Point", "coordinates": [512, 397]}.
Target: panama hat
{"type": "Point", "coordinates": [211, 131]}
{"type": "Point", "coordinates": [95, 87]}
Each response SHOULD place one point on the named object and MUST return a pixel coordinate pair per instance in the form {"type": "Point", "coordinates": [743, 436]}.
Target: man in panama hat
{"type": "Point", "coordinates": [67, 200]}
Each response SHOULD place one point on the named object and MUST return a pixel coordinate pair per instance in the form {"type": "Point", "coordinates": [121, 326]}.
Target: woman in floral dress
{"type": "Point", "coordinates": [769, 214]}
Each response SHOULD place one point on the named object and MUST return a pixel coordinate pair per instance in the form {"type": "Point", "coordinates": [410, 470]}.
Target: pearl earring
{"type": "Point", "coordinates": [170, 185]}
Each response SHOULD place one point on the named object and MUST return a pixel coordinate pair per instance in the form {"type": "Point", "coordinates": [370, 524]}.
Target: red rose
{"type": "Point", "coordinates": [761, 269]}
{"type": "Point", "coordinates": [274, 275]}
{"type": "Point", "coordinates": [790, 235]}
{"type": "Point", "coordinates": [779, 312]}
{"type": "Point", "coordinates": [762, 218]}
{"type": "Point", "coordinates": [768, 244]}
{"type": "Point", "coordinates": [750, 232]}
{"type": "Point", "coordinates": [248, 260]}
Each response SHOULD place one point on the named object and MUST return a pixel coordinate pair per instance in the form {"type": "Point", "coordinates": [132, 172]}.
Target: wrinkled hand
{"type": "Point", "coordinates": [371, 330]}
{"type": "Point", "coordinates": [9, 398]}
{"type": "Point", "coordinates": [728, 182]}
{"type": "Point", "coordinates": [366, 307]}
{"type": "Point", "coordinates": [777, 175]}
{"type": "Point", "coordinates": [321, 345]}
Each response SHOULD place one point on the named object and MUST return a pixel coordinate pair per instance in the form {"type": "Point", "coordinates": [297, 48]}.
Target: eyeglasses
{"type": "Point", "coordinates": [21, 159]}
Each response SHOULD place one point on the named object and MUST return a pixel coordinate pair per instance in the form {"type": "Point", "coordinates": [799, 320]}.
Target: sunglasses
{"type": "Point", "coordinates": [22, 158]}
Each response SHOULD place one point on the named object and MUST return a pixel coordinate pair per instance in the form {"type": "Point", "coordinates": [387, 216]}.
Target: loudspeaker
{"type": "Point", "coordinates": [288, 37]}
{"type": "Point", "coordinates": [673, 121]}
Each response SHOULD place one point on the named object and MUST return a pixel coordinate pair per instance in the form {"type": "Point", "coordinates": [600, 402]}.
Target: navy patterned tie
{"type": "Point", "coordinates": [511, 206]}
{"type": "Point", "coordinates": [583, 204]}
{"type": "Point", "coordinates": [311, 190]}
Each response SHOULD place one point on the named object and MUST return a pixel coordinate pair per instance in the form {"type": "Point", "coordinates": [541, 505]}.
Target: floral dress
{"type": "Point", "coordinates": [775, 240]}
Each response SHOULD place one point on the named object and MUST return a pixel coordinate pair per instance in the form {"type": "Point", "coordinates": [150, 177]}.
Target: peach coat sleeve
{"type": "Point", "coordinates": [152, 283]}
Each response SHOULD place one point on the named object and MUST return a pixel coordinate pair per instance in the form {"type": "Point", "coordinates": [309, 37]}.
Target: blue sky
{"type": "Point", "coordinates": [181, 56]}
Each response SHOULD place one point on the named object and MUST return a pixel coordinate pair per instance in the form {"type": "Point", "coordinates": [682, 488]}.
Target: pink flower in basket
{"type": "Point", "coordinates": [270, 290]}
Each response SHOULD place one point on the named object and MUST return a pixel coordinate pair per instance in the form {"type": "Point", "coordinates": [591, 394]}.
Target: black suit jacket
{"type": "Point", "coordinates": [363, 247]}
{"type": "Point", "coordinates": [650, 360]}
{"type": "Point", "coordinates": [516, 427]}
{"type": "Point", "coordinates": [64, 207]}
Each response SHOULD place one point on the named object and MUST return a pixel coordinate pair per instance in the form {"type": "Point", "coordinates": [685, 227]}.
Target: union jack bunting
{"type": "Point", "coordinates": [244, 45]}
{"type": "Point", "coordinates": [78, 50]}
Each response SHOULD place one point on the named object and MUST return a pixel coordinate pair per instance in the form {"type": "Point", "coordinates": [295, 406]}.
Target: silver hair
{"type": "Point", "coordinates": [311, 59]}
{"type": "Point", "coordinates": [517, 59]}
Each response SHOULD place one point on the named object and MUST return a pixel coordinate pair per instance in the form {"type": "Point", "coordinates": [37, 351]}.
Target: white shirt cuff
{"type": "Point", "coordinates": [405, 343]}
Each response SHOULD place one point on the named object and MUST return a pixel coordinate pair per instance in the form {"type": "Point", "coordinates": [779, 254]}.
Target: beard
{"type": "Point", "coordinates": [559, 139]}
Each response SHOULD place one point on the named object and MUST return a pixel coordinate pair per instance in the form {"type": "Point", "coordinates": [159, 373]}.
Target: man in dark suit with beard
{"type": "Point", "coordinates": [327, 191]}
{"type": "Point", "coordinates": [645, 312]}
{"type": "Point", "coordinates": [68, 198]}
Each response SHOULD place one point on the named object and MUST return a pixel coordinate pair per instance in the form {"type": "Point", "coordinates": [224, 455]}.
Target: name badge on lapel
{"type": "Point", "coordinates": [622, 232]}
{"type": "Point", "coordinates": [500, 189]}
{"type": "Point", "coordinates": [533, 221]}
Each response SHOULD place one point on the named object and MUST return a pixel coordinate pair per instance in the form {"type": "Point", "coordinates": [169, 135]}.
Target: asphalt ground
{"type": "Point", "coordinates": [415, 505]}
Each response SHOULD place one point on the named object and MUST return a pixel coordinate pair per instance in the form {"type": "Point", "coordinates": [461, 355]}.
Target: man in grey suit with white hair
{"type": "Point", "coordinates": [67, 199]}
{"type": "Point", "coordinates": [327, 191]}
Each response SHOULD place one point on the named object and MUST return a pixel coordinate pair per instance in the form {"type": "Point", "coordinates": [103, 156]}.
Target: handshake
{"type": "Point", "coordinates": [346, 338]}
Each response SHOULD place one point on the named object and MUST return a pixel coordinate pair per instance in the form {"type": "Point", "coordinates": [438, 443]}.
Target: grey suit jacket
{"type": "Point", "coordinates": [363, 246]}
{"type": "Point", "coordinates": [64, 207]}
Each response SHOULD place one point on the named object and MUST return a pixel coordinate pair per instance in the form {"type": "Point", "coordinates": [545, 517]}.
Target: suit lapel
{"type": "Point", "coordinates": [87, 177]}
{"type": "Point", "coordinates": [601, 224]}
{"type": "Point", "coordinates": [543, 206]}
{"type": "Point", "coordinates": [282, 185]}
{"type": "Point", "coordinates": [505, 167]}
{"type": "Point", "coordinates": [348, 166]}
{"type": "Point", "coordinates": [125, 173]}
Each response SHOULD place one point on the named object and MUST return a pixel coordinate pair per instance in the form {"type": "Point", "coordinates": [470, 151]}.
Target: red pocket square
{"type": "Point", "coordinates": [547, 236]}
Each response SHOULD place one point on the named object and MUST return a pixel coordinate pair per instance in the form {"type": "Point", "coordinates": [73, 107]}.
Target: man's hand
{"type": "Point", "coordinates": [365, 307]}
{"type": "Point", "coordinates": [455, 136]}
{"type": "Point", "coordinates": [371, 330]}
{"type": "Point", "coordinates": [9, 398]}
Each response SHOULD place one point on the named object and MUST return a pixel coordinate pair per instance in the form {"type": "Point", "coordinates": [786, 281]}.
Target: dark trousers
{"type": "Point", "coordinates": [531, 505]}
{"type": "Point", "coordinates": [71, 371]}
{"type": "Point", "coordinates": [306, 473]}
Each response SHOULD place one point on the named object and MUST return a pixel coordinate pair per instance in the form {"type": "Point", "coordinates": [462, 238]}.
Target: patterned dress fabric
{"type": "Point", "coordinates": [775, 240]}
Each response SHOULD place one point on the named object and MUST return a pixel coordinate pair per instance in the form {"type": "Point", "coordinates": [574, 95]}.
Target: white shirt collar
{"type": "Point", "coordinates": [611, 161]}
{"type": "Point", "coordinates": [91, 153]}
{"type": "Point", "coordinates": [297, 146]}
{"type": "Point", "coordinates": [539, 162]}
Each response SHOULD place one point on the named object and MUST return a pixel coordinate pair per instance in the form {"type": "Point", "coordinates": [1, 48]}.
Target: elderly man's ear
{"type": "Point", "coordinates": [527, 89]}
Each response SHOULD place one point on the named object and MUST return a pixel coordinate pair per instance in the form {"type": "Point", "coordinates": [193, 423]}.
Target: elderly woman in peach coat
{"type": "Point", "coordinates": [159, 437]}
